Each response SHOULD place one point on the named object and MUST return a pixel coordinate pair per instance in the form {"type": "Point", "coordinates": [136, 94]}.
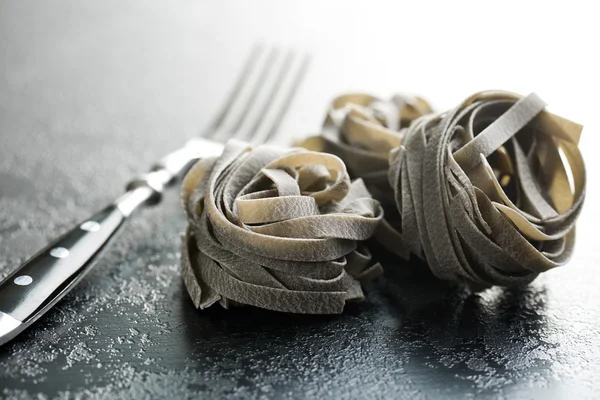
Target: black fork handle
{"type": "Point", "coordinates": [40, 282]}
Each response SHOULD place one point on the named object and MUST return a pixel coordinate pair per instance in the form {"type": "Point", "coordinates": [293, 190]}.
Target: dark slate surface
{"type": "Point", "coordinates": [88, 97]}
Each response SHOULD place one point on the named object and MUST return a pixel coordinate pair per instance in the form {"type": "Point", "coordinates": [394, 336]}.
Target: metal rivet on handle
{"type": "Point", "coordinates": [90, 226]}
{"type": "Point", "coordinates": [59, 252]}
{"type": "Point", "coordinates": [23, 280]}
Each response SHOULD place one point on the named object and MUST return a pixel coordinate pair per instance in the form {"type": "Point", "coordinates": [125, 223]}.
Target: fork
{"type": "Point", "coordinates": [253, 112]}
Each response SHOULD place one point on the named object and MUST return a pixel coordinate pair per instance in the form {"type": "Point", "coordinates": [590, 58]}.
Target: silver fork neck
{"type": "Point", "coordinates": [179, 160]}
{"type": "Point", "coordinates": [148, 188]}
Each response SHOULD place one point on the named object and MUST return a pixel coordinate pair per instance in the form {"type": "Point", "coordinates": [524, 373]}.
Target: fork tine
{"type": "Point", "coordinates": [264, 83]}
{"type": "Point", "coordinates": [261, 97]}
{"type": "Point", "coordinates": [213, 129]}
{"type": "Point", "coordinates": [291, 72]}
{"type": "Point", "coordinates": [255, 92]}
{"type": "Point", "coordinates": [287, 101]}
{"type": "Point", "coordinates": [272, 95]}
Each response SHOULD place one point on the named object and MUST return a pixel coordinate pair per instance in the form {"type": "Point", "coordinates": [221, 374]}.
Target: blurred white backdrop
{"type": "Point", "coordinates": [444, 50]}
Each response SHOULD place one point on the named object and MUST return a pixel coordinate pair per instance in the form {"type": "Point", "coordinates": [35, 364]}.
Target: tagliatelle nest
{"type": "Point", "coordinates": [277, 229]}
{"type": "Point", "coordinates": [362, 130]}
{"type": "Point", "coordinates": [482, 192]}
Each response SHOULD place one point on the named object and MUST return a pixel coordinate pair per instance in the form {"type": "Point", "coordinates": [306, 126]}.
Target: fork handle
{"type": "Point", "coordinates": [44, 279]}
{"type": "Point", "coordinates": [39, 283]}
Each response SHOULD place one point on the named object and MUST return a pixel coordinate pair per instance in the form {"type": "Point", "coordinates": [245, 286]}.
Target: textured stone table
{"type": "Point", "coordinates": [90, 96]}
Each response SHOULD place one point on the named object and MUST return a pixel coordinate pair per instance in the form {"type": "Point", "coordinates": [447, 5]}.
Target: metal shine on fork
{"type": "Point", "coordinates": [252, 112]}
